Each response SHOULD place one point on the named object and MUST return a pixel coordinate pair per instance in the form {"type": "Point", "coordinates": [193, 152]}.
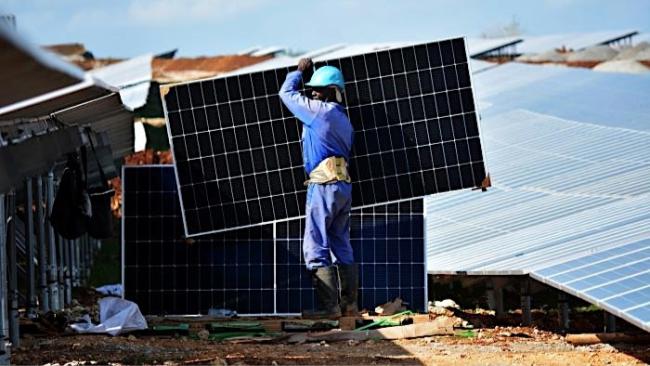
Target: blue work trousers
{"type": "Point", "coordinates": [327, 225]}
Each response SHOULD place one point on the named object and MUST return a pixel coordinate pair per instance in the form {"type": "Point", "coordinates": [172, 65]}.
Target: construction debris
{"type": "Point", "coordinates": [595, 338]}
{"type": "Point", "coordinates": [391, 307]}
{"type": "Point", "coordinates": [398, 332]}
{"type": "Point", "coordinates": [116, 316]}
{"type": "Point", "coordinates": [309, 325]}
{"type": "Point", "coordinates": [447, 303]}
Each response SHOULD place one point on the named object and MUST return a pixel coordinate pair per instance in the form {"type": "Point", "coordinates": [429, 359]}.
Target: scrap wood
{"type": "Point", "coordinates": [594, 338]}
{"type": "Point", "coordinates": [306, 325]}
{"type": "Point", "coordinates": [229, 326]}
{"type": "Point", "coordinates": [391, 307]}
{"type": "Point", "coordinates": [387, 321]}
{"type": "Point", "coordinates": [171, 327]}
{"type": "Point", "coordinates": [166, 329]}
{"type": "Point", "coordinates": [397, 332]}
{"type": "Point", "coordinates": [239, 336]}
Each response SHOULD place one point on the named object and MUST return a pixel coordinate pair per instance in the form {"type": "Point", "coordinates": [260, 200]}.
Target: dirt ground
{"type": "Point", "coordinates": [497, 346]}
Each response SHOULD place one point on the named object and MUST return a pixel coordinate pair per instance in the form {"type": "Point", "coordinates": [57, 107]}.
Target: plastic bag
{"type": "Point", "coordinates": [116, 316]}
{"type": "Point", "coordinates": [111, 290]}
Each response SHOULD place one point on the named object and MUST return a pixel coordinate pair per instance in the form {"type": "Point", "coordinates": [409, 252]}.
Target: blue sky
{"type": "Point", "coordinates": [121, 28]}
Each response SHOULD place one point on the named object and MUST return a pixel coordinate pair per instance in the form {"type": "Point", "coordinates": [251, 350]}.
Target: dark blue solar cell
{"type": "Point", "coordinates": [236, 269]}
{"type": "Point", "coordinates": [374, 81]}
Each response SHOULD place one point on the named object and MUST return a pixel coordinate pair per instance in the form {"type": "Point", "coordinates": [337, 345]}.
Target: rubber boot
{"type": "Point", "coordinates": [349, 280]}
{"type": "Point", "coordinates": [324, 280]}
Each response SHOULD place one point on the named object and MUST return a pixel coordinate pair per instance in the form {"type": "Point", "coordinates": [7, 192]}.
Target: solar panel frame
{"type": "Point", "coordinates": [185, 261]}
{"type": "Point", "coordinates": [410, 182]}
{"type": "Point", "coordinates": [390, 278]}
{"type": "Point", "coordinates": [621, 290]}
{"type": "Point", "coordinates": [153, 294]}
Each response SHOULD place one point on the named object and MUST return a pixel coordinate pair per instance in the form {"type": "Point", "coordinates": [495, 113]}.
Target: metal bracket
{"type": "Point", "coordinates": [485, 184]}
{"type": "Point", "coordinates": [164, 89]}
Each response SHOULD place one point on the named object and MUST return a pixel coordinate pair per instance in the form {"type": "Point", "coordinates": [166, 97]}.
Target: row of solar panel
{"type": "Point", "coordinates": [616, 279]}
{"type": "Point", "coordinates": [255, 270]}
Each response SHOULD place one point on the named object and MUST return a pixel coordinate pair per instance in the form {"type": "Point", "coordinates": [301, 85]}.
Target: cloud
{"type": "Point", "coordinates": [165, 12]}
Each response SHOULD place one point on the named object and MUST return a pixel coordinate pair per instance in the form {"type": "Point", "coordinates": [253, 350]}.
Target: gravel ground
{"type": "Point", "coordinates": [497, 346]}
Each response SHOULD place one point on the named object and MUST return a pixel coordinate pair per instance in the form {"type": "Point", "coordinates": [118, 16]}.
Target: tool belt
{"type": "Point", "coordinates": [330, 170]}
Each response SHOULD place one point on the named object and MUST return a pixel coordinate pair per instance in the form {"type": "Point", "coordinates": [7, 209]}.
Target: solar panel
{"type": "Point", "coordinates": [237, 148]}
{"type": "Point", "coordinates": [388, 244]}
{"type": "Point", "coordinates": [247, 270]}
{"type": "Point", "coordinates": [615, 279]}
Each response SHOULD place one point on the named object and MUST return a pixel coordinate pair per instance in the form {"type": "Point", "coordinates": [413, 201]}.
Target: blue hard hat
{"type": "Point", "coordinates": [327, 76]}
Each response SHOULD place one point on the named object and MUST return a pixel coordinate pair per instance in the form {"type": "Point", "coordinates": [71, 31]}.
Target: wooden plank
{"type": "Point", "coordinates": [399, 332]}
{"type": "Point", "coordinates": [348, 322]}
{"type": "Point", "coordinates": [420, 318]}
{"type": "Point", "coordinates": [594, 338]}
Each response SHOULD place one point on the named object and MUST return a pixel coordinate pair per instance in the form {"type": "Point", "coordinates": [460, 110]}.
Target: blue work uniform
{"type": "Point", "coordinates": [327, 132]}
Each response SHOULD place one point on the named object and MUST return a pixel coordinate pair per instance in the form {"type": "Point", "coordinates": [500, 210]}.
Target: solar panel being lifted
{"type": "Point", "coordinates": [237, 148]}
{"type": "Point", "coordinates": [258, 270]}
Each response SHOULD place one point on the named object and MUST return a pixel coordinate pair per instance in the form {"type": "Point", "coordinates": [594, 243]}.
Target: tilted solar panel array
{"type": "Point", "coordinates": [616, 279]}
{"type": "Point", "coordinates": [247, 270]}
{"type": "Point", "coordinates": [237, 148]}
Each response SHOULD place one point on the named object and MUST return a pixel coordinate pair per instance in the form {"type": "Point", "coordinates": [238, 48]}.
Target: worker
{"type": "Point", "coordinates": [326, 142]}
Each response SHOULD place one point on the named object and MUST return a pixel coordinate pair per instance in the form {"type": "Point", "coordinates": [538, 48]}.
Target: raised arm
{"type": "Point", "coordinates": [303, 108]}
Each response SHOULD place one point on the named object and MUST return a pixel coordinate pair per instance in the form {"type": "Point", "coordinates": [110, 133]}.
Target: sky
{"type": "Point", "coordinates": [121, 28]}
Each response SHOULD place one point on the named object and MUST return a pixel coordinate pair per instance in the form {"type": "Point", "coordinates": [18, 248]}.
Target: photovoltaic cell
{"type": "Point", "coordinates": [237, 148]}
{"type": "Point", "coordinates": [247, 270]}
{"type": "Point", "coordinates": [615, 279]}
{"type": "Point", "coordinates": [167, 274]}
{"type": "Point", "coordinates": [388, 245]}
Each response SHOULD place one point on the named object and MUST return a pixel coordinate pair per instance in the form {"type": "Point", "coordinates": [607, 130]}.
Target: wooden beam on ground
{"type": "Point", "coordinates": [399, 332]}
{"type": "Point", "coordinates": [594, 338]}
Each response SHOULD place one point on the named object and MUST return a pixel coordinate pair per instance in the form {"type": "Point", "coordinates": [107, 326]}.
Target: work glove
{"type": "Point", "coordinates": [304, 64]}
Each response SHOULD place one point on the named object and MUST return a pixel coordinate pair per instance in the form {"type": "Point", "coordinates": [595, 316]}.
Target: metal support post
{"type": "Point", "coordinates": [44, 300]}
{"type": "Point", "coordinates": [85, 259]}
{"type": "Point", "coordinates": [75, 262]}
{"type": "Point", "coordinates": [82, 259]}
{"type": "Point", "coordinates": [563, 305]}
{"type": "Point", "coordinates": [30, 244]}
{"type": "Point", "coordinates": [526, 316]}
{"type": "Point", "coordinates": [4, 328]}
{"type": "Point", "coordinates": [88, 257]}
{"type": "Point", "coordinates": [497, 284]}
{"type": "Point", "coordinates": [14, 336]}
{"type": "Point", "coordinates": [610, 323]}
{"type": "Point", "coordinates": [61, 270]}
{"type": "Point", "coordinates": [52, 279]}
{"type": "Point", "coordinates": [489, 294]}
{"type": "Point", "coordinates": [67, 246]}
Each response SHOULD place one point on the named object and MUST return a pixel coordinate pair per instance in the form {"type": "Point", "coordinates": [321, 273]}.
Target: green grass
{"type": "Point", "coordinates": [106, 268]}
{"type": "Point", "coordinates": [587, 309]}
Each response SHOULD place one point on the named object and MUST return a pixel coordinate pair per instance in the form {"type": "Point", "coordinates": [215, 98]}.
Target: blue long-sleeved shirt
{"type": "Point", "coordinates": [327, 130]}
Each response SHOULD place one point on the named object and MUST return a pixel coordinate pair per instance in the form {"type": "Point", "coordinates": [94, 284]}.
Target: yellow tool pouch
{"type": "Point", "coordinates": [330, 170]}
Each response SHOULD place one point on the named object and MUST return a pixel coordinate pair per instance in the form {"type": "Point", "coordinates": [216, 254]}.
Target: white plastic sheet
{"type": "Point", "coordinates": [111, 290]}
{"type": "Point", "coordinates": [116, 316]}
